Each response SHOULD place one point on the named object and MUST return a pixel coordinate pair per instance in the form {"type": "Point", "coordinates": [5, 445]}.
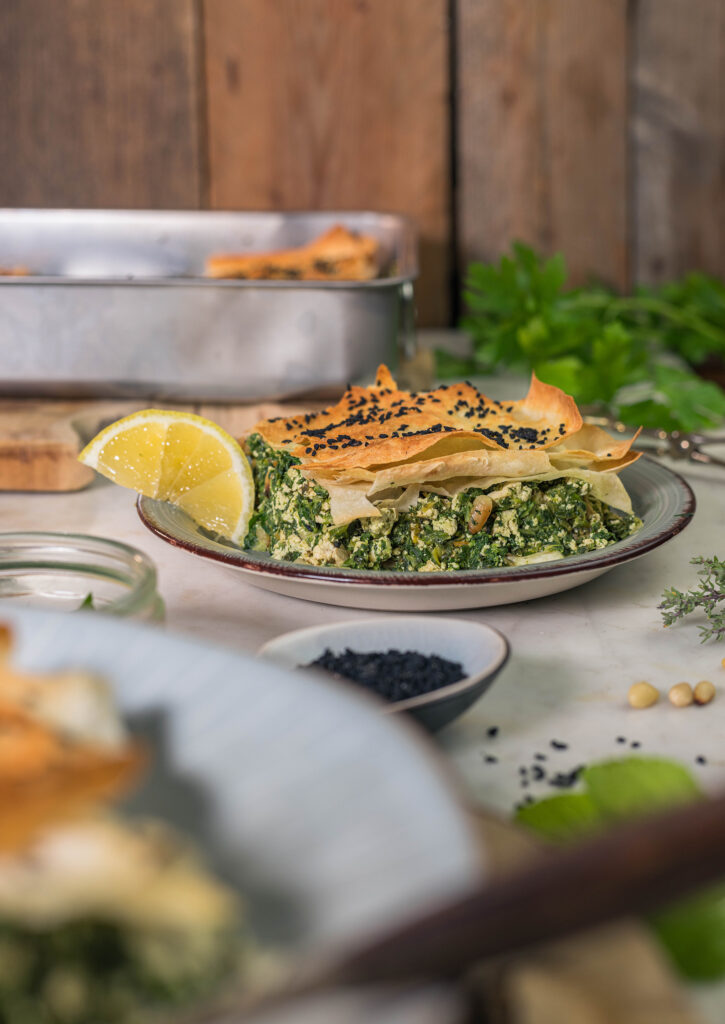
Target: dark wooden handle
{"type": "Point", "coordinates": [629, 870]}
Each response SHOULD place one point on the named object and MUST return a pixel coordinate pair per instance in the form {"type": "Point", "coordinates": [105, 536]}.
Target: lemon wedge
{"type": "Point", "coordinates": [180, 458]}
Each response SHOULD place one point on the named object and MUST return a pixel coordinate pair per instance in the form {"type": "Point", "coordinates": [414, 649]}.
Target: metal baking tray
{"type": "Point", "coordinates": [116, 306]}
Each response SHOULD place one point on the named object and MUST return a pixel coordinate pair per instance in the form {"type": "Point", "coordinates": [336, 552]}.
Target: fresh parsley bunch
{"type": "Point", "coordinates": [631, 356]}
{"type": "Point", "coordinates": [708, 596]}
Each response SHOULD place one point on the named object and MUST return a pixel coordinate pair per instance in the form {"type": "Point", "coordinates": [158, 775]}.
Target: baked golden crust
{"type": "Point", "coordinates": [46, 774]}
{"type": "Point", "coordinates": [336, 255]}
{"type": "Point", "coordinates": [382, 425]}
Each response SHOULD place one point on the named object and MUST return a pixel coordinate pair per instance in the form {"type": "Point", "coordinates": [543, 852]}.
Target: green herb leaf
{"type": "Point", "coordinates": [563, 817]}
{"type": "Point", "coordinates": [449, 365]}
{"type": "Point", "coordinates": [708, 597]}
{"type": "Point", "coordinates": [637, 785]}
{"type": "Point", "coordinates": [692, 931]}
{"type": "Point", "coordinates": [686, 401]}
{"type": "Point", "coordinates": [87, 602]}
{"type": "Point", "coordinates": [596, 345]}
{"type": "Point", "coordinates": [565, 373]}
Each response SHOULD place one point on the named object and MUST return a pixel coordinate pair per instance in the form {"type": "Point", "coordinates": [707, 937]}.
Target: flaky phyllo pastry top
{"type": "Point", "coordinates": [381, 443]}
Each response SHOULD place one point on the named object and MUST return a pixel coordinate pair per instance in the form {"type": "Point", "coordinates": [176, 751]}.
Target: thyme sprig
{"type": "Point", "coordinates": [708, 596]}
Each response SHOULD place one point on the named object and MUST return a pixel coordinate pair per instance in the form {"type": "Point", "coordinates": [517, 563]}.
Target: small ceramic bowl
{"type": "Point", "coordinates": [481, 650]}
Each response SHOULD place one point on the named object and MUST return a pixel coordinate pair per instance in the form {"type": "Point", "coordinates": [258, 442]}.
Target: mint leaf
{"type": "Point", "coordinates": [559, 818]}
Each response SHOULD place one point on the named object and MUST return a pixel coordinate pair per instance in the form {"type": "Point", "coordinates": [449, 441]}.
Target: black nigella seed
{"type": "Point", "coordinates": [490, 759]}
{"type": "Point", "coordinates": [564, 780]}
{"type": "Point", "coordinates": [523, 770]}
{"type": "Point", "coordinates": [700, 759]}
{"type": "Point", "coordinates": [635, 744]}
{"type": "Point", "coordinates": [539, 757]}
{"type": "Point", "coordinates": [393, 675]}
{"type": "Point", "coordinates": [538, 772]}
{"type": "Point", "coordinates": [493, 731]}
{"type": "Point", "coordinates": [558, 745]}
{"type": "Point", "coordinates": [621, 739]}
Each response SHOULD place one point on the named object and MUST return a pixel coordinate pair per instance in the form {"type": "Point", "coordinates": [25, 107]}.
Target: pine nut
{"type": "Point", "coordinates": [704, 692]}
{"type": "Point", "coordinates": [681, 695]}
{"type": "Point", "coordinates": [642, 695]}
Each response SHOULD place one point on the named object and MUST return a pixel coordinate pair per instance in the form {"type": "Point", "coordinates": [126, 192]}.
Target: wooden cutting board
{"type": "Point", "coordinates": [39, 446]}
{"type": "Point", "coordinates": [40, 440]}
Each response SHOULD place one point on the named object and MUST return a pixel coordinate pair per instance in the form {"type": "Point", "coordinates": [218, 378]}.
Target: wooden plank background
{"type": "Point", "coordinates": [334, 104]}
{"type": "Point", "coordinates": [596, 128]}
{"type": "Point", "coordinates": [678, 138]}
{"type": "Point", "coordinates": [100, 103]}
{"type": "Point", "coordinates": [543, 131]}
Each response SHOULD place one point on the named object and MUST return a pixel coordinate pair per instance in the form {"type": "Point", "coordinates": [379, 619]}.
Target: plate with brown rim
{"type": "Point", "coordinates": [660, 497]}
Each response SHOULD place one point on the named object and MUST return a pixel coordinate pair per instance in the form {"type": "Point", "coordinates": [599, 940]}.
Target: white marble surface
{"type": "Point", "coordinates": [573, 656]}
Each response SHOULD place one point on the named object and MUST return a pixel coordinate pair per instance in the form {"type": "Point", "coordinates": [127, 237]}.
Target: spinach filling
{"type": "Point", "coordinates": [88, 971]}
{"type": "Point", "coordinates": [292, 521]}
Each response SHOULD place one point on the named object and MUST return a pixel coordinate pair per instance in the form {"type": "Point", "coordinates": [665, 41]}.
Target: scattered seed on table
{"type": "Point", "coordinates": [492, 731]}
{"type": "Point", "coordinates": [635, 744]}
{"type": "Point", "coordinates": [700, 759]}
{"type": "Point", "coordinates": [621, 739]}
{"type": "Point", "coordinates": [539, 757]}
{"type": "Point", "coordinates": [524, 783]}
{"type": "Point", "coordinates": [523, 769]}
{"type": "Point", "coordinates": [537, 772]}
{"type": "Point", "coordinates": [564, 780]}
{"type": "Point", "coordinates": [704, 692]}
{"type": "Point", "coordinates": [681, 695]}
{"type": "Point", "coordinates": [558, 745]}
{"type": "Point", "coordinates": [490, 759]}
{"type": "Point", "coordinates": [642, 695]}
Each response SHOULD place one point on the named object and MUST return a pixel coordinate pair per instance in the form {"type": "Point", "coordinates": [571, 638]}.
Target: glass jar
{"type": "Point", "coordinates": [70, 572]}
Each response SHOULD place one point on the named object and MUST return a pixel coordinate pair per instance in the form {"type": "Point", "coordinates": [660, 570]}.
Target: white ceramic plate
{"type": "Point", "coordinates": [332, 819]}
{"type": "Point", "coordinates": [661, 498]}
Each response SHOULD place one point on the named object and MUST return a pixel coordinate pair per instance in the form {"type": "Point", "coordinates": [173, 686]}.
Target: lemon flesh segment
{"type": "Point", "coordinates": [132, 458]}
{"type": "Point", "coordinates": [217, 503]}
{"type": "Point", "coordinates": [190, 456]}
{"type": "Point", "coordinates": [180, 458]}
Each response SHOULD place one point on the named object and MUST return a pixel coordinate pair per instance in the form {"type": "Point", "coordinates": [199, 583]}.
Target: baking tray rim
{"type": "Point", "coordinates": [174, 281]}
{"type": "Point", "coordinates": [376, 283]}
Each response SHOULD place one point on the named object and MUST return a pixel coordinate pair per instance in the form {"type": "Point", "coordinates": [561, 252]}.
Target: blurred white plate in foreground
{"type": "Point", "coordinates": [332, 819]}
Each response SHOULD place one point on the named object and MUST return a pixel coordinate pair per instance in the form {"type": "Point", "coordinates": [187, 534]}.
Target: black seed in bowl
{"type": "Point", "coordinates": [394, 675]}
